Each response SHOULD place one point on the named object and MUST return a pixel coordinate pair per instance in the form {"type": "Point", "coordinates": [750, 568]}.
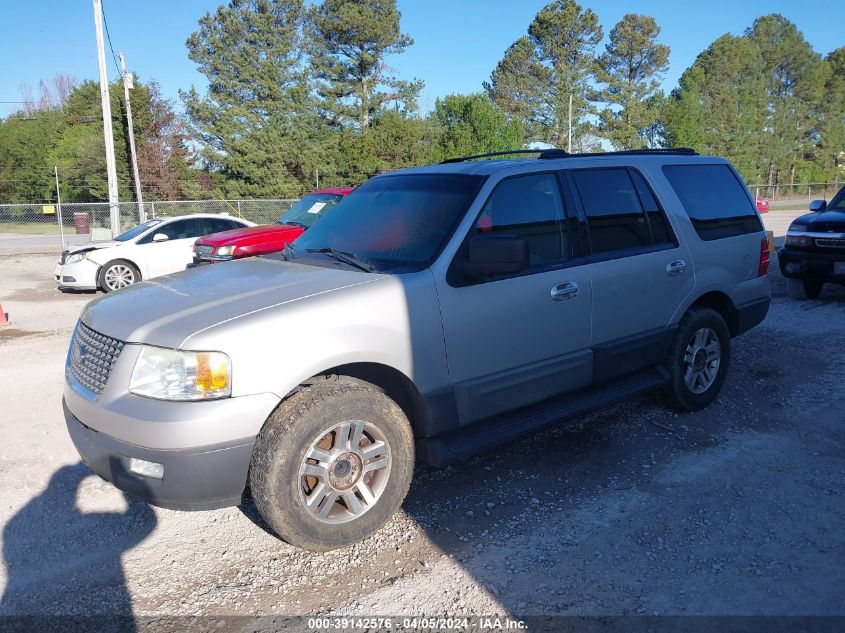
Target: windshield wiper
{"type": "Point", "coordinates": [299, 224]}
{"type": "Point", "coordinates": [342, 256]}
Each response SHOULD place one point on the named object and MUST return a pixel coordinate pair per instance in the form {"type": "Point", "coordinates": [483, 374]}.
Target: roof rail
{"type": "Point", "coordinates": [491, 154]}
{"type": "Point", "coordinates": [669, 151]}
{"type": "Point", "coordinates": [559, 153]}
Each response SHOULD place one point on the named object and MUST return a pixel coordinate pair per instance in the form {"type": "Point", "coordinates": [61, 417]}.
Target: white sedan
{"type": "Point", "coordinates": [156, 247]}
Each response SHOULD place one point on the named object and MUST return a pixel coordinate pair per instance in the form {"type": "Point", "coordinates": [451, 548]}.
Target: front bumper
{"type": "Point", "coordinates": [815, 265]}
{"type": "Point", "coordinates": [194, 479]}
{"type": "Point", "coordinates": [81, 275]}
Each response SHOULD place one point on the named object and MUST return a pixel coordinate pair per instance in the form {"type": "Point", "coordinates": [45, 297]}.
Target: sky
{"type": "Point", "coordinates": [457, 42]}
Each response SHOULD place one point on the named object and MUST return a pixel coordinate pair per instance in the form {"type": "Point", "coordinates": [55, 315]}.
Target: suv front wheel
{"type": "Point", "coordinates": [332, 464]}
{"type": "Point", "coordinates": [804, 288]}
{"type": "Point", "coordinates": [699, 359]}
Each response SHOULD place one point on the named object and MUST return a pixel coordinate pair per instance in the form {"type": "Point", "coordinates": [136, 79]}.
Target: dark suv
{"type": "Point", "coordinates": [814, 250]}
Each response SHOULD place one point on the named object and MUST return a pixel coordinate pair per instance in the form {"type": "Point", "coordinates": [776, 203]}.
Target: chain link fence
{"type": "Point", "coordinates": [80, 221]}
{"type": "Point", "coordinates": [796, 192]}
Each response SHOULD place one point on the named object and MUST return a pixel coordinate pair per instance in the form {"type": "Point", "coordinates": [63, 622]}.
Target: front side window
{"type": "Point", "coordinates": [615, 216]}
{"type": "Point", "coordinates": [714, 199]}
{"type": "Point", "coordinates": [177, 230]}
{"type": "Point", "coordinates": [393, 223]}
{"type": "Point", "coordinates": [529, 207]}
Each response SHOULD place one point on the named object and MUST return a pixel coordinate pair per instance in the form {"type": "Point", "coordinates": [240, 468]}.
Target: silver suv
{"type": "Point", "coordinates": [434, 313]}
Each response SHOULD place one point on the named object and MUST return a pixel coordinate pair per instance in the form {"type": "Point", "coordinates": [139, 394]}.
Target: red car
{"type": "Point", "coordinates": [268, 238]}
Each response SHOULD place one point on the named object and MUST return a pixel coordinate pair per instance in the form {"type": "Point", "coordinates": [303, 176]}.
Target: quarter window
{"type": "Point", "coordinates": [714, 199]}
{"type": "Point", "coordinates": [529, 207]}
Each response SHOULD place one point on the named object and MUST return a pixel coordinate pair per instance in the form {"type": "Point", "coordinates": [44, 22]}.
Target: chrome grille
{"type": "Point", "coordinates": [92, 357]}
{"type": "Point", "coordinates": [830, 242]}
{"type": "Point", "coordinates": [204, 250]}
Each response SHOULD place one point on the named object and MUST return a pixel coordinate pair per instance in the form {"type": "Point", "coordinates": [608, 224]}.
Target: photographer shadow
{"type": "Point", "coordinates": [52, 550]}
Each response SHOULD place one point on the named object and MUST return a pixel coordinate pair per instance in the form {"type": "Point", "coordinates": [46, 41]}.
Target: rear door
{"type": "Point", "coordinates": [513, 341]}
{"type": "Point", "coordinates": [640, 271]}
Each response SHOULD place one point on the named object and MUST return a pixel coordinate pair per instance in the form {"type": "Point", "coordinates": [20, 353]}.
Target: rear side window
{"type": "Point", "coordinates": [714, 200]}
{"type": "Point", "coordinates": [216, 225]}
{"type": "Point", "coordinates": [621, 211]}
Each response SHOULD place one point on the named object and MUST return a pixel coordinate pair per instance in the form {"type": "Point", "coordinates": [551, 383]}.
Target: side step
{"type": "Point", "coordinates": [445, 449]}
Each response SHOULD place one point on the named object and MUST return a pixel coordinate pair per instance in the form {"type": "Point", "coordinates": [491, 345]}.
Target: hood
{"type": "Point", "coordinates": [90, 246]}
{"type": "Point", "coordinates": [830, 221]}
{"type": "Point", "coordinates": [252, 234]}
{"type": "Point", "coordinates": [166, 310]}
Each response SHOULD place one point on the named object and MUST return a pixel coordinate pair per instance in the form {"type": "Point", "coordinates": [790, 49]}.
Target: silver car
{"type": "Point", "coordinates": [434, 313]}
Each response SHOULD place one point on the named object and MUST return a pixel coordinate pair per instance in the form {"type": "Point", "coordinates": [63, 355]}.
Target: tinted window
{"type": "Point", "coordinates": [612, 206]}
{"type": "Point", "coordinates": [216, 225]}
{"type": "Point", "coordinates": [838, 201]}
{"type": "Point", "coordinates": [396, 223]}
{"type": "Point", "coordinates": [659, 226]}
{"type": "Point", "coordinates": [714, 200]}
{"type": "Point", "coordinates": [178, 230]}
{"type": "Point", "coordinates": [530, 207]}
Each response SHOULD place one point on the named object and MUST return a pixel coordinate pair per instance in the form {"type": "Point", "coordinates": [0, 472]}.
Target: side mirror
{"type": "Point", "coordinates": [160, 237]}
{"type": "Point", "coordinates": [818, 205]}
{"type": "Point", "coordinates": [495, 255]}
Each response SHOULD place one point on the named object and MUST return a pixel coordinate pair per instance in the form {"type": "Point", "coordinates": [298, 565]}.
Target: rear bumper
{"type": "Point", "coordinates": [194, 479]}
{"type": "Point", "coordinates": [752, 314]}
{"type": "Point", "coordinates": [795, 264]}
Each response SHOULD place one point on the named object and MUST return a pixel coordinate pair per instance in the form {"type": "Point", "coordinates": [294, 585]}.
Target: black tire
{"type": "Point", "coordinates": [103, 278]}
{"type": "Point", "coordinates": [804, 288]}
{"type": "Point", "coordinates": [279, 488]}
{"type": "Point", "coordinates": [680, 394]}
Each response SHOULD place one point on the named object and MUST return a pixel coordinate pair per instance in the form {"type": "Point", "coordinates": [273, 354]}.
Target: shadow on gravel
{"type": "Point", "coordinates": [61, 560]}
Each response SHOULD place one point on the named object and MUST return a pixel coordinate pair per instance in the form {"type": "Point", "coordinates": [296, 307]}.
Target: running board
{"type": "Point", "coordinates": [447, 448]}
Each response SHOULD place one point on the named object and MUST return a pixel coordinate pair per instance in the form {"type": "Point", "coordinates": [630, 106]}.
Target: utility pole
{"type": "Point", "coordinates": [59, 204]}
{"type": "Point", "coordinates": [108, 134]}
{"type": "Point", "coordinates": [569, 142]}
{"type": "Point", "coordinates": [129, 84]}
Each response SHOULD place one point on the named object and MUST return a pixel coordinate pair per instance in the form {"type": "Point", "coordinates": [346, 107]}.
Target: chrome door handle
{"type": "Point", "coordinates": [676, 267]}
{"type": "Point", "coordinates": [566, 290]}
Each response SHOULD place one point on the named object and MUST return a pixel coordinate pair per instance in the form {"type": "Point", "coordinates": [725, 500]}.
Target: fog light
{"type": "Point", "coordinates": [791, 268]}
{"type": "Point", "coordinates": [145, 468]}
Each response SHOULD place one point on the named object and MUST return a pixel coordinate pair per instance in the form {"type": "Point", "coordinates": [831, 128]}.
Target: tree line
{"type": "Point", "coordinates": [299, 94]}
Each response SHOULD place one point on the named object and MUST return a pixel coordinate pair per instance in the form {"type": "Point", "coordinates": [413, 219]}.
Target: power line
{"type": "Point", "coordinates": [108, 37]}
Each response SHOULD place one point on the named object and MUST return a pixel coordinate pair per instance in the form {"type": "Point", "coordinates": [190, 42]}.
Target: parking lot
{"type": "Point", "coordinates": [735, 510]}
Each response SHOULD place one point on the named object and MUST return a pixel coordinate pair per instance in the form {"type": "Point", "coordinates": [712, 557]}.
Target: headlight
{"type": "Point", "coordinates": [76, 257]}
{"type": "Point", "coordinates": [172, 374]}
{"type": "Point", "coordinates": [798, 227]}
{"type": "Point", "coordinates": [225, 251]}
{"type": "Point", "coordinates": [797, 240]}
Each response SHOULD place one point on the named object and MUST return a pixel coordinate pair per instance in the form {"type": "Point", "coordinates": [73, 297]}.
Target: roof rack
{"type": "Point", "coordinates": [560, 153]}
{"type": "Point", "coordinates": [491, 154]}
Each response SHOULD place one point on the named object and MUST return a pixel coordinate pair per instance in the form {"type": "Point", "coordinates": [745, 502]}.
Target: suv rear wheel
{"type": "Point", "coordinates": [699, 359]}
{"type": "Point", "coordinates": [332, 464]}
{"type": "Point", "coordinates": [804, 288]}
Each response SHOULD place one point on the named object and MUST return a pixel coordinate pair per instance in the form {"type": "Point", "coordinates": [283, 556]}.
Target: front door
{"type": "Point", "coordinates": [518, 340]}
{"type": "Point", "coordinates": [173, 254]}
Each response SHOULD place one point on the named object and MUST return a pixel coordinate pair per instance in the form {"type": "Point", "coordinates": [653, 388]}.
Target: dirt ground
{"type": "Point", "coordinates": [737, 509]}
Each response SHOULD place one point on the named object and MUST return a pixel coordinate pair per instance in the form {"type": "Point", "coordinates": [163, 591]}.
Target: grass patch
{"type": "Point", "coordinates": [33, 228]}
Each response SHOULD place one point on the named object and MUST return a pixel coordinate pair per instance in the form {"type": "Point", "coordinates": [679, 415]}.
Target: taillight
{"type": "Point", "coordinates": [763, 266]}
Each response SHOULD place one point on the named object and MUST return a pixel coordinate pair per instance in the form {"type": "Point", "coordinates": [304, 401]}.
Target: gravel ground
{"type": "Point", "coordinates": [635, 509]}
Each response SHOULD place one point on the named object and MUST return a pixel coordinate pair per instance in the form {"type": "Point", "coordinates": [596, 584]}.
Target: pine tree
{"type": "Point", "coordinates": [563, 37]}
{"type": "Point", "coordinates": [630, 69]}
{"type": "Point", "coordinates": [349, 43]}
{"type": "Point", "coordinates": [255, 121]}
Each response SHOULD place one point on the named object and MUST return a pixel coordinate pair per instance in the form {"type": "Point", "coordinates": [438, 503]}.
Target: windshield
{"type": "Point", "coordinates": [136, 231]}
{"type": "Point", "coordinates": [394, 223]}
{"type": "Point", "coordinates": [838, 201]}
{"type": "Point", "coordinates": [304, 212]}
